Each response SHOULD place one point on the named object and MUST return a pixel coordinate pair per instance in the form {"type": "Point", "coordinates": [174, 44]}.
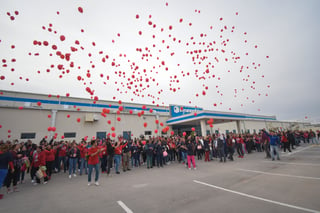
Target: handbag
{"type": "Point", "coordinates": [165, 154]}
{"type": "Point", "coordinates": [39, 174]}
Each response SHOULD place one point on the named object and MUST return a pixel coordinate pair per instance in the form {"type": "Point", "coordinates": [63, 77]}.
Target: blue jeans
{"type": "Point", "coordinates": [183, 156]}
{"type": "Point", "coordinates": [272, 149]}
{"type": "Point", "coordinates": [84, 165]}
{"type": "Point", "coordinates": [72, 165]}
{"type": "Point", "coordinates": [3, 175]}
{"type": "Point", "coordinates": [96, 167]}
{"type": "Point", "coordinates": [117, 159]}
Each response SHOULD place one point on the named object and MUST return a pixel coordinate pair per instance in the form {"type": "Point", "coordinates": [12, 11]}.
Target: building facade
{"type": "Point", "coordinates": [32, 116]}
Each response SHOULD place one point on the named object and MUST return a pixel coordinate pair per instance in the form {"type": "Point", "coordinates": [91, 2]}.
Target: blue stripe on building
{"type": "Point", "coordinates": [32, 100]}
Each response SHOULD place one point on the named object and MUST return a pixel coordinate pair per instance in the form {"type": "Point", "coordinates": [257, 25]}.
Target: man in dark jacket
{"type": "Point", "coordinates": [220, 147]}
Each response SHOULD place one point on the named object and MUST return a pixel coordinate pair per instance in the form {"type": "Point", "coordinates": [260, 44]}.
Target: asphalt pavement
{"type": "Point", "coordinates": [251, 184]}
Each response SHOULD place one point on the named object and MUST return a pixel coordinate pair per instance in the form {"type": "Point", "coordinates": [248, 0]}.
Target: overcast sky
{"type": "Point", "coordinates": [257, 57]}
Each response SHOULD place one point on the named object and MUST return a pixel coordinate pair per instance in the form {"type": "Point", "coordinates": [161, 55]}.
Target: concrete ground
{"type": "Point", "coordinates": [252, 184]}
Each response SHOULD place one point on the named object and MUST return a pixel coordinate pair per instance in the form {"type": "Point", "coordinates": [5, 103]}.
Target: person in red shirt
{"type": "Point", "coordinates": [50, 158]}
{"type": "Point", "coordinates": [284, 140]}
{"type": "Point", "coordinates": [117, 155]}
{"type": "Point", "coordinates": [62, 156]}
{"type": "Point", "coordinates": [93, 162]}
{"type": "Point", "coordinates": [39, 160]}
{"type": "Point", "coordinates": [83, 152]}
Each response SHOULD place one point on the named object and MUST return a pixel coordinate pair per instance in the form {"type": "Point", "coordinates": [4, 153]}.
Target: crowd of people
{"type": "Point", "coordinates": [42, 160]}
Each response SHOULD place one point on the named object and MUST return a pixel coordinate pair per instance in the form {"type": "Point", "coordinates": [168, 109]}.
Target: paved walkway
{"type": "Point", "coordinates": [252, 184]}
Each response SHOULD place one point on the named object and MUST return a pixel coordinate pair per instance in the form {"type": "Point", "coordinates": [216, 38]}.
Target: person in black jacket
{"type": "Point", "coordinates": [73, 154]}
{"type": "Point", "coordinates": [220, 146]}
{"type": "Point", "coordinates": [159, 154]}
{"type": "Point", "coordinates": [190, 152]}
{"type": "Point", "coordinates": [110, 153]}
{"type": "Point", "coordinates": [291, 139]}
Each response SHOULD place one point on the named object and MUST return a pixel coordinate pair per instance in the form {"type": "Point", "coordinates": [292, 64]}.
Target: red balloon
{"type": "Point", "coordinates": [78, 120]}
{"type": "Point", "coordinates": [172, 132]}
{"type": "Point", "coordinates": [80, 9]}
{"type": "Point", "coordinates": [109, 121]}
{"type": "Point", "coordinates": [62, 38]}
{"type": "Point", "coordinates": [20, 107]}
{"type": "Point", "coordinates": [184, 133]}
{"type": "Point", "coordinates": [53, 129]}
{"type": "Point", "coordinates": [106, 111]}
{"type": "Point", "coordinates": [118, 119]}
{"type": "Point", "coordinates": [113, 128]}
{"type": "Point", "coordinates": [156, 131]}
{"type": "Point", "coordinates": [68, 116]}
{"type": "Point", "coordinates": [130, 111]}
{"type": "Point", "coordinates": [113, 134]}
{"type": "Point", "coordinates": [145, 124]}
{"type": "Point", "coordinates": [39, 103]}
{"type": "Point", "coordinates": [193, 129]}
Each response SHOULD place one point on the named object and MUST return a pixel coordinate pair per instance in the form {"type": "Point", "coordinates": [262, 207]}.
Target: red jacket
{"type": "Point", "coordinates": [83, 151]}
{"type": "Point", "coordinates": [103, 151]}
{"type": "Point", "coordinates": [63, 151]}
{"type": "Point", "coordinates": [95, 158]}
{"type": "Point", "coordinates": [118, 150]}
{"type": "Point", "coordinates": [50, 155]}
{"type": "Point", "coordinates": [39, 159]}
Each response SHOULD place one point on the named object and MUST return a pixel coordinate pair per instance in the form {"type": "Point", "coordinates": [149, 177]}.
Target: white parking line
{"type": "Point", "coordinates": [300, 150]}
{"type": "Point", "coordinates": [258, 198]}
{"type": "Point", "coordinates": [124, 206]}
{"type": "Point", "coordinates": [279, 174]}
{"type": "Point", "coordinates": [298, 164]}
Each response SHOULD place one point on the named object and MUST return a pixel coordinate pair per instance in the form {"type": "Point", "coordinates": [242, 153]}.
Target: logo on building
{"type": "Point", "coordinates": [176, 110]}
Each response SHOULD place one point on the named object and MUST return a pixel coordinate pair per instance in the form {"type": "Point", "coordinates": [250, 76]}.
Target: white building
{"type": "Point", "coordinates": [28, 116]}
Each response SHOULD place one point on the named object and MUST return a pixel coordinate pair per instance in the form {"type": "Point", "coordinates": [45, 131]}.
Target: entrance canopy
{"type": "Point", "coordinates": [199, 118]}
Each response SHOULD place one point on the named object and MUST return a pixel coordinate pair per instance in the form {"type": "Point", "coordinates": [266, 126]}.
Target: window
{"type": "Point", "coordinates": [28, 135]}
{"type": "Point", "coordinates": [69, 134]}
{"type": "Point", "coordinates": [101, 135]}
{"type": "Point", "coordinates": [208, 132]}
{"type": "Point", "coordinates": [254, 131]}
{"type": "Point", "coordinates": [147, 132]}
{"type": "Point", "coordinates": [126, 135]}
{"type": "Point", "coordinates": [234, 131]}
{"type": "Point", "coordinates": [227, 132]}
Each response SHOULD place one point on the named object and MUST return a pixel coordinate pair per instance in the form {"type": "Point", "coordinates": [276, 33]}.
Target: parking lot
{"type": "Point", "coordinates": [251, 184]}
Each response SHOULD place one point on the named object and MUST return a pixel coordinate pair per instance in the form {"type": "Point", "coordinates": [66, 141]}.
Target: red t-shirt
{"type": "Point", "coordinates": [83, 151]}
{"type": "Point", "coordinates": [103, 151]}
{"type": "Point", "coordinates": [63, 151]}
{"type": "Point", "coordinates": [95, 158]}
{"type": "Point", "coordinates": [39, 159]}
{"type": "Point", "coordinates": [50, 154]}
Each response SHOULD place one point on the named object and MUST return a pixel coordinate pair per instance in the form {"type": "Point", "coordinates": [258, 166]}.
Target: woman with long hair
{"type": "Point", "coordinates": [6, 161]}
